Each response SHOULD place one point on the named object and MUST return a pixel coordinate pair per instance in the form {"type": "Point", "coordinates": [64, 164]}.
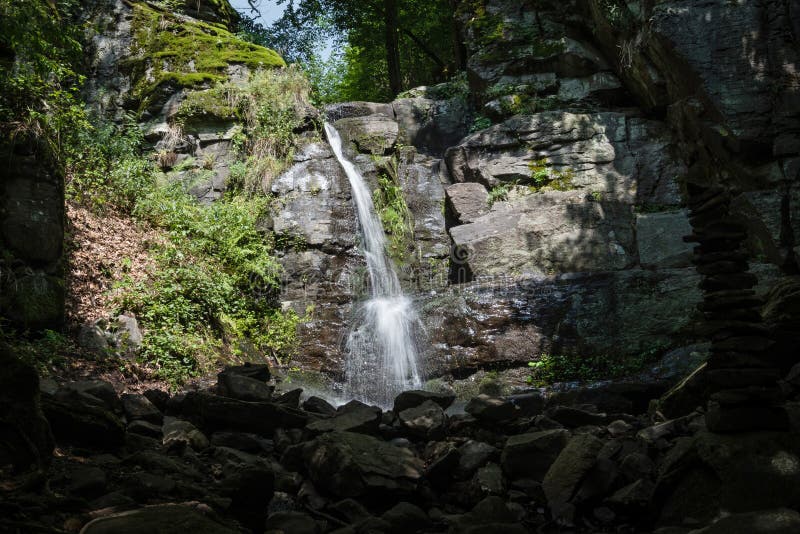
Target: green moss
{"type": "Point", "coordinates": [217, 9]}
{"type": "Point", "coordinates": [214, 102]}
{"type": "Point", "coordinates": [168, 50]}
{"type": "Point", "coordinates": [286, 241]}
{"type": "Point", "coordinates": [543, 175]}
{"type": "Point", "coordinates": [546, 47]}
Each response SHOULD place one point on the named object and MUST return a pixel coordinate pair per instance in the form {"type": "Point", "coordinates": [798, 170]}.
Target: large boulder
{"type": "Point", "coordinates": [466, 202]}
{"type": "Point", "coordinates": [426, 421]}
{"type": "Point", "coordinates": [245, 382]}
{"type": "Point", "coordinates": [139, 408]}
{"type": "Point", "coordinates": [212, 412]}
{"type": "Point", "coordinates": [416, 397]}
{"type": "Point", "coordinates": [158, 519]}
{"type": "Point", "coordinates": [707, 473]}
{"type": "Point", "coordinates": [491, 409]}
{"type": "Point", "coordinates": [489, 515]}
{"type": "Point", "coordinates": [32, 293]}
{"type": "Point", "coordinates": [621, 159]}
{"type": "Point", "coordinates": [774, 521]}
{"type": "Point", "coordinates": [354, 416]}
{"type": "Point", "coordinates": [573, 463]}
{"type": "Point", "coordinates": [531, 455]}
{"type": "Point", "coordinates": [430, 125]}
{"type": "Point", "coordinates": [82, 419]}
{"type": "Point", "coordinates": [557, 232]}
{"type": "Point", "coordinates": [370, 134]}
{"type": "Point", "coordinates": [347, 464]}
{"type": "Point", "coordinates": [27, 441]}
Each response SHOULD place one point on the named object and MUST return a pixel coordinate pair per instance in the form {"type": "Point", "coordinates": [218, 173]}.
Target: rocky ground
{"type": "Point", "coordinates": [239, 457]}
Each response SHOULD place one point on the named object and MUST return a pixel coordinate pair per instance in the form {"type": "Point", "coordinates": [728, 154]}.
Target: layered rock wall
{"type": "Point", "coordinates": [31, 238]}
{"type": "Point", "coordinates": [604, 112]}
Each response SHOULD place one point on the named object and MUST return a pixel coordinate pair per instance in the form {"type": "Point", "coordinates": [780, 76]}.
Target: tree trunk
{"type": "Point", "coordinates": [459, 50]}
{"type": "Point", "coordinates": [391, 13]}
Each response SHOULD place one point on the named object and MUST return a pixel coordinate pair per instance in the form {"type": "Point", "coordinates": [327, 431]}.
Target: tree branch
{"type": "Point", "coordinates": [422, 46]}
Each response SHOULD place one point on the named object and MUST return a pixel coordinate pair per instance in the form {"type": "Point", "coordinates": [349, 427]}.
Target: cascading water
{"type": "Point", "coordinates": [382, 357]}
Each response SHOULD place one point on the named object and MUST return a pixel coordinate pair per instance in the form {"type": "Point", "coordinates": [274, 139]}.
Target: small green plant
{"type": "Point", "coordinates": [455, 87]}
{"type": "Point", "coordinates": [543, 175]}
{"type": "Point", "coordinates": [480, 123]}
{"type": "Point", "coordinates": [187, 164]}
{"type": "Point", "coordinates": [287, 241]}
{"type": "Point", "coordinates": [208, 161]}
{"type": "Point", "coordinates": [596, 196]}
{"type": "Point", "coordinates": [499, 192]}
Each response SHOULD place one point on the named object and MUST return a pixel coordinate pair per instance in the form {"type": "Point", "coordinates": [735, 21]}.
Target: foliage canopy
{"type": "Point", "coordinates": [383, 46]}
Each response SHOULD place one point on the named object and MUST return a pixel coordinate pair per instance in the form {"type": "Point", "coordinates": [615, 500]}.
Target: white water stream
{"type": "Point", "coordinates": [382, 358]}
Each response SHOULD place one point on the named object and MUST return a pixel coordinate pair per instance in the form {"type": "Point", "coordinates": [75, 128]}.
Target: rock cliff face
{"type": "Point", "coordinates": [541, 211]}
{"type": "Point", "coordinates": [158, 61]}
{"type": "Point", "coordinates": [327, 271]}
{"type": "Point", "coordinates": [566, 216]}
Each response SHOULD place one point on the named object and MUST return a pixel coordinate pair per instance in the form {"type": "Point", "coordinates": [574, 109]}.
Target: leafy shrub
{"type": "Point", "coordinates": [551, 368]}
{"type": "Point", "coordinates": [480, 123]}
{"type": "Point", "coordinates": [45, 351]}
{"type": "Point", "coordinates": [273, 105]}
{"type": "Point", "coordinates": [104, 167]}
{"type": "Point", "coordinates": [215, 284]}
{"type": "Point", "coordinates": [391, 206]}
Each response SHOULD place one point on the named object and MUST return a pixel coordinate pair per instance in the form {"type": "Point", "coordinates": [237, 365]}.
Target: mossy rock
{"type": "Point", "coordinates": [171, 51]}
{"type": "Point", "coordinates": [34, 301]}
{"type": "Point", "coordinates": [211, 105]}
{"type": "Point", "coordinates": [219, 11]}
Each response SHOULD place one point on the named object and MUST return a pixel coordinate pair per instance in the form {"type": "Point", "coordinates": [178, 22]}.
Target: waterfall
{"type": "Point", "coordinates": [382, 357]}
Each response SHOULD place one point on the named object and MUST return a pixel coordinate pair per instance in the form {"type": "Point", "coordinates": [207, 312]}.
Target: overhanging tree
{"type": "Point", "coordinates": [415, 38]}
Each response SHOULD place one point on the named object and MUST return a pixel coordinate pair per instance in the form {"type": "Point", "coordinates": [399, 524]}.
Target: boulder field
{"type": "Point", "coordinates": [240, 457]}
